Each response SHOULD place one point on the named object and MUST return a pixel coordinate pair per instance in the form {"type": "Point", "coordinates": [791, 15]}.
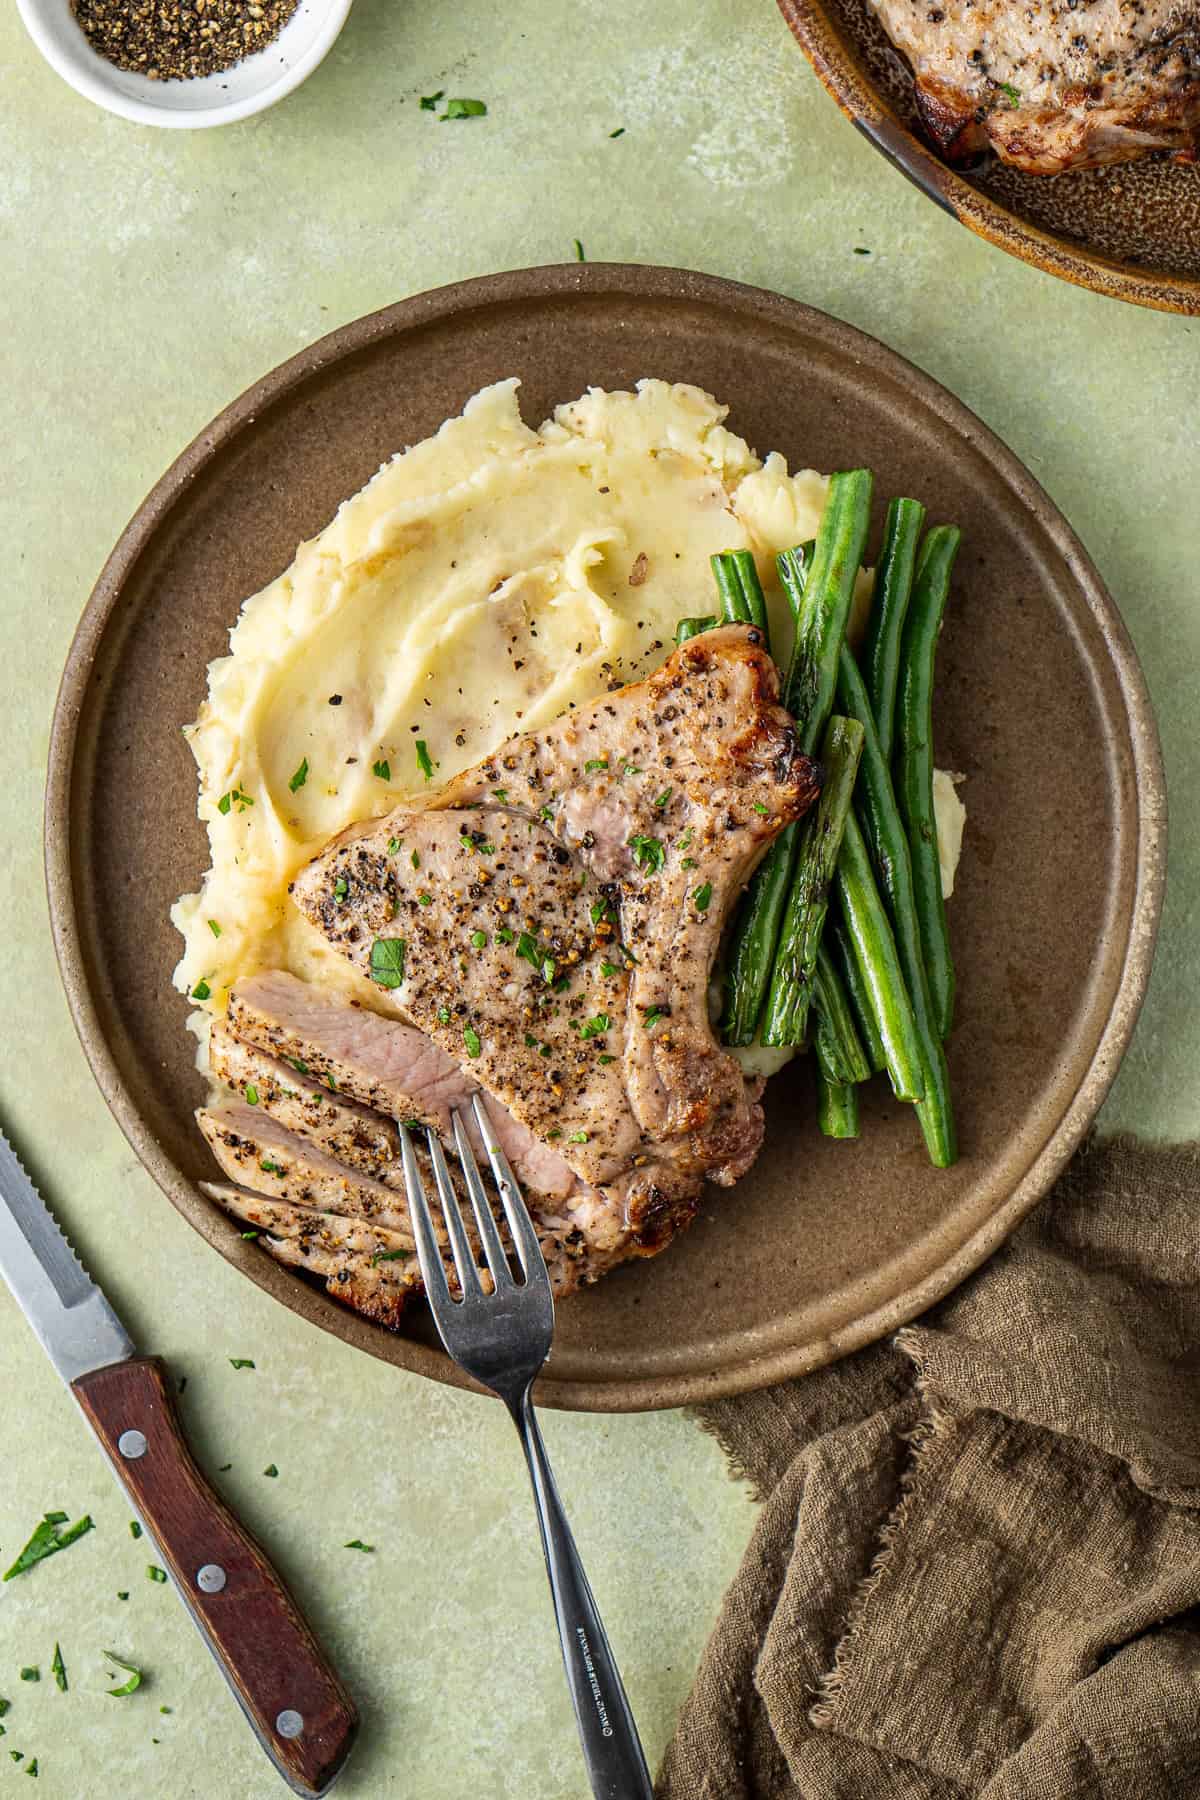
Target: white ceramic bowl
{"type": "Point", "coordinates": [249, 87]}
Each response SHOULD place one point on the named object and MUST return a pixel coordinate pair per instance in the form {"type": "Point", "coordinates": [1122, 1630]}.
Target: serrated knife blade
{"type": "Point", "coordinates": [72, 1320]}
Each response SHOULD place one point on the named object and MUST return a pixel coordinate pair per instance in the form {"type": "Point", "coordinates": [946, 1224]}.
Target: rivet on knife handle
{"type": "Point", "coordinates": [304, 1718]}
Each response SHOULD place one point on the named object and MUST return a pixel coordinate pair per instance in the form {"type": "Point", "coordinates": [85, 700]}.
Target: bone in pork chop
{"type": "Point", "coordinates": [557, 932]}
{"type": "Point", "coordinates": [1055, 84]}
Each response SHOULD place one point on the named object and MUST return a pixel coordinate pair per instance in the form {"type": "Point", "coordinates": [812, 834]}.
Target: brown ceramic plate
{"type": "Point", "coordinates": [1131, 231]}
{"type": "Point", "coordinates": [1041, 703]}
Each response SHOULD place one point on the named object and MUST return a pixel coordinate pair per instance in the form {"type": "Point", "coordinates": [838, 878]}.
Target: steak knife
{"type": "Point", "coordinates": [296, 1704]}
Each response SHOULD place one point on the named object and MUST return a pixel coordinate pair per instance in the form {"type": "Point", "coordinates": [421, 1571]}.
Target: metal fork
{"type": "Point", "coordinates": [502, 1339]}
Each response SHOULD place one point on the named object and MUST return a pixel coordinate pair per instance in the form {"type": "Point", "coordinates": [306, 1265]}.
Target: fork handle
{"type": "Point", "coordinates": [612, 1750]}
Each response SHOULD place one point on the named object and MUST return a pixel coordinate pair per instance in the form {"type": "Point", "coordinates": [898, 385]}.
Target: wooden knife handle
{"type": "Point", "coordinates": [300, 1712]}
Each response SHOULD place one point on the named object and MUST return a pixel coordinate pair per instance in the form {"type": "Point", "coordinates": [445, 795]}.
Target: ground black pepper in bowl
{"type": "Point", "coordinates": [177, 40]}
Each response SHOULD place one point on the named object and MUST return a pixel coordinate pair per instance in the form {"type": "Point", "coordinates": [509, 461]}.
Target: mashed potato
{"type": "Point", "coordinates": [483, 582]}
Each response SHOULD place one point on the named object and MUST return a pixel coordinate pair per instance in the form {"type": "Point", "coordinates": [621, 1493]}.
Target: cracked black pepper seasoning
{"type": "Point", "coordinates": [177, 40]}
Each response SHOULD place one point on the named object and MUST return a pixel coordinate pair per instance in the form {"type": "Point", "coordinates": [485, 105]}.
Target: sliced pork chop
{"type": "Point", "coordinates": [372, 1270]}
{"type": "Point", "coordinates": [255, 1149]}
{"type": "Point", "coordinates": [1057, 84]}
{"type": "Point", "coordinates": [376, 1063]}
{"type": "Point", "coordinates": [557, 931]}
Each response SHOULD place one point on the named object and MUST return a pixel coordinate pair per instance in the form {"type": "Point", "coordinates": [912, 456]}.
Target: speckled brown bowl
{"type": "Point", "coordinates": [1131, 231]}
{"type": "Point", "coordinates": [824, 1246]}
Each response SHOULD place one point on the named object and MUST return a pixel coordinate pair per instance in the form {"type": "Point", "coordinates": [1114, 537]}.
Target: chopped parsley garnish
{"type": "Point", "coordinates": [760, 808]}
{"type": "Point", "coordinates": [663, 798]}
{"type": "Point", "coordinates": [387, 962]}
{"type": "Point", "coordinates": [249, 1236]}
{"type": "Point", "coordinates": [500, 794]}
{"type": "Point", "coordinates": [425, 763]}
{"type": "Point", "coordinates": [530, 1041]}
{"type": "Point", "coordinates": [202, 991]}
{"type": "Point", "coordinates": [214, 928]}
{"type": "Point", "coordinates": [424, 899]}
{"type": "Point", "coordinates": [479, 940]}
{"type": "Point", "coordinates": [689, 862]}
{"type": "Point", "coordinates": [505, 936]}
{"type": "Point", "coordinates": [653, 1015]}
{"type": "Point", "coordinates": [393, 845]}
{"type": "Point", "coordinates": [1014, 94]}
{"type": "Point", "coordinates": [579, 256]}
{"type": "Point", "coordinates": [607, 968]}
{"type": "Point", "coordinates": [464, 109]}
{"type": "Point", "coordinates": [443, 1014]}
{"type": "Point", "coordinates": [135, 1530]}
{"type": "Point", "coordinates": [599, 911]}
{"type": "Point", "coordinates": [532, 952]}
{"type": "Point", "coordinates": [546, 813]}
{"type": "Point", "coordinates": [242, 1362]}
{"type": "Point", "coordinates": [596, 1026]}
{"type": "Point", "coordinates": [628, 768]}
{"type": "Point", "coordinates": [471, 1040]}
{"type": "Point", "coordinates": [341, 888]}
{"type": "Point", "coordinates": [58, 1669]}
{"type": "Point", "coordinates": [271, 1471]}
{"type": "Point", "coordinates": [648, 852]}
{"type": "Point", "coordinates": [135, 1674]}
{"type": "Point", "coordinates": [578, 1137]}
{"type": "Point", "coordinates": [684, 843]}
{"type": "Point", "coordinates": [300, 777]}
{"type": "Point", "coordinates": [251, 1094]}
{"type": "Point", "coordinates": [597, 762]}
{"type": "Point", "coordinates": [300, 1067]}
{"type": "Point", "coordinates": [389, 1256]}
{"type": "Point", "coordinates": [429, 101]}
{"type": "Point", "coordinates": [415, 860]}
{"type": "Point", "coordinates": [607, 1059]}
{"type": "Point", "coordinates": [48, 1537]}
{"type": "Point", "coordinates": [357, 1544]}
{"type": "Point", "coordinates": [235, 797]}
{"type": "Point", "coordinates": [702, 896]}
{"type": "Point", "coordinates": [382, 768]}
{"type": "Point", "coordinates": [269, 1168]}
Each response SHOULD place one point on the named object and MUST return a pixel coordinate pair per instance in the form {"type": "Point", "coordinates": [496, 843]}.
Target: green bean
{"type": "Point", "coordinates": [870, 933]}
{"type": "Point", "coordinates": [828, 591]}
{"type": "Point", "coordinates": [836, 1038]}
{"type": "Point", "coordinates": [735, 608]}
{"type": "Point", "coordinates": [786, 1015]}
{"type": "Point", "coordinates": [876, 809]}
{"type": "Point", "coordinates": [752, 594]}
{"type": "Point", "coordinates": [914, 762]}
{"type": "Point", "coordinates": [690, 628]}
{"type": "Point", "coordinates": [889, 607]}
{"type": "Point", "coordinates": [860, 1001]}
{"type": "Point", "coordinates": [826, 605]}
{"type": "Point", "coordinates": [837, 1106]}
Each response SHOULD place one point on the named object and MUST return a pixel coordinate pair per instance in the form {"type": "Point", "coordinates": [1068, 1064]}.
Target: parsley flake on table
{"type": "Point", "coordinates": [32, 1673]}
{"type": "Point", "coordinates": [300, 777]}
{"type": "Point", "coordinates": [122, 1593]}
{"type": "Point", "coordinates": [464, 109]}
{"type": "Point", "coordinates": [242, 1362]}
{"type": "Point", "coordinates": [135, 1530]}
{"type": "Point", "coordinates": [426, 765]}
{"type": "Point", "coordinates": [4, 1706]}
{"type": "Point", "coordinates": [648, 852]}
{"type": "Point", "coordinates": [357, 1544]}
{"type": "Point", "coordinates": [58, 1669]}
{"type": "Point", "coordinates": [429, 101]}
{"type": "Point", "coordinates": [579, 255]}
{"type": "Point", "coordinates": [619, 132]}
{"type": "Point", "coordinates": [271, 1471]}
{"type": "Point", "coordinates": [382, 768]}
{"type": "Point", "coordinates": [33, 1767]}
{"type": "Point", "coordinates": [48, 1537]}
{"type": "Point", "coordinates": [135, 1674]}
{"type": "Point", "coordinates": [387, 962]}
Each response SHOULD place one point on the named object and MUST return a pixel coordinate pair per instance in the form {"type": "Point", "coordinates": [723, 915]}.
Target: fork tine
{"type": "Point", "coordinates": [529, 1251]}
{"type": "Point", "coordinates": [433, 1273]}
{"type": "Point", "coordinates": [464, 1259]}
{"type": "Point", "coordinates": [489, 1237]}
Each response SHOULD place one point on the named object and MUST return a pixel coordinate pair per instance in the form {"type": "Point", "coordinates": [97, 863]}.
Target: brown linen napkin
{"type": "Point", "coordinates": [975, 1566]}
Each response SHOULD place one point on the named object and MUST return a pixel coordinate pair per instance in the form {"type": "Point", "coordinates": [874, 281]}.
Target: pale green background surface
{"type": "Point", "coordinates": [145, 279]}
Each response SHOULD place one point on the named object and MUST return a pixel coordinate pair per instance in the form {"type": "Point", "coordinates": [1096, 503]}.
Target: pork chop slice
{"type": "Point", "coordinates": [372, 1270]}
{"type": "Point", "coordinates": [376, 1063]}
{"type": "Point", "coordinates": [555, 929]}
{"type": "Point", "coordinates": [1060, 85]}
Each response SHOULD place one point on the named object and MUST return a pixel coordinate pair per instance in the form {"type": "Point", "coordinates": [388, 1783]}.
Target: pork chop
{"type": "Point", "coordinates": [1053, 84]}
{"type": "Point", "coordinates": [551, 918]}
